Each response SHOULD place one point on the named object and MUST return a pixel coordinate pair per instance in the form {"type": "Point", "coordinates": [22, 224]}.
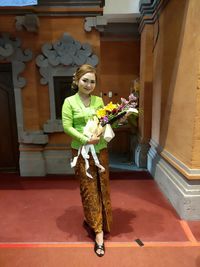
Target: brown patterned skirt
{"type": "Point", "coordinates": [95, 193]}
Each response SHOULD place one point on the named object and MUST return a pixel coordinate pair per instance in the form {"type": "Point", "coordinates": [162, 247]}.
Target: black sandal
{"type": "Point", "coordinates": [99, 247]}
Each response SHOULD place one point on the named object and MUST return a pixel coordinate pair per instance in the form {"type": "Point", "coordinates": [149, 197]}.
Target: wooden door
{"type": "Point", "coordinates": [8, 129]}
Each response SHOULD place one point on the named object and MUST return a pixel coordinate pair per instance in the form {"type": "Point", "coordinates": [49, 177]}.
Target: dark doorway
{"type": "Point", "coordinates": [9, 151]}
{"type": "Point", "coordinates": [62, 89]}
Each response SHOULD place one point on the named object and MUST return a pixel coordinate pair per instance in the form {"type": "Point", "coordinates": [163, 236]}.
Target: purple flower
{"type": "Point", "coordinates": [132, 97]}
{"type": "Point", "coordinates": [105, 119]}
{"type": "Point", "coordinates": [123, 101]}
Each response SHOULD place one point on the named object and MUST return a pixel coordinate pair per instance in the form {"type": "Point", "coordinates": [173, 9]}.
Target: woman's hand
{"type": "Point", "coordinates": [93, 140]}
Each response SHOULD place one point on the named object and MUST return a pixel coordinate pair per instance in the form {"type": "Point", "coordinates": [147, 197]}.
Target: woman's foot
{"type": "Point", "coordinates": [99, 247]}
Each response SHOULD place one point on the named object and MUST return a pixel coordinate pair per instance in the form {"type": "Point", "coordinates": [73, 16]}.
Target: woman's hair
{"type": "Point", "coordinates": [82, 70]}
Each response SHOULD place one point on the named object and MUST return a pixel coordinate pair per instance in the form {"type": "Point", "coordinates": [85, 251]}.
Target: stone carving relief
{"type": "Point", "coordinates": [11, 51]}
{"type": "Point", "coordinates": [61, 58]}
{"type": "Point", "coordinates": [65, 52]}
{"type": "Point", "coordinates": [98, 22]}
{"type": "Point", "coordinates": [29, 22]}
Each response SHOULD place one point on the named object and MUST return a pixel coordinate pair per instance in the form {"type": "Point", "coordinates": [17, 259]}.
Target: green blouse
{"type": "Point", "coordinates": [75, 116]}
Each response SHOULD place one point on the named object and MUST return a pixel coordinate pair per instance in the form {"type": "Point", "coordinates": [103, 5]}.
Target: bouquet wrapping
{"type": "Point", "coordinates": [93, 127]}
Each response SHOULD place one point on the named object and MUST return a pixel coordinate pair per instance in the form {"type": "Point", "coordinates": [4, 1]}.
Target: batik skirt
{"type": "Point", "coordinates": [95, 192]}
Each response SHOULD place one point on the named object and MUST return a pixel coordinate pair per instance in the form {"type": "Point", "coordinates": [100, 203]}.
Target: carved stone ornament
{"type": "Point", "coordinates": [30, 22]}
{"type": "Point", "coordinates": [61, 58]}
{"type": "Point", "coordinates": [11, 51]}
{"type": "Point", "coordinates": [65, 52]}
{"type": "Point", "coordinates": [98, 22]}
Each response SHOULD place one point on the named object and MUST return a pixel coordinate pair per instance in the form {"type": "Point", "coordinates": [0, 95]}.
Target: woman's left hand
{"type": "Point", "coordinates": [94, 140]}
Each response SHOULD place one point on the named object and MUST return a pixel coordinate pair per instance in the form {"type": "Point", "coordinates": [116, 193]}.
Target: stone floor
{"type": "Point", "coordinates": [122, 162]}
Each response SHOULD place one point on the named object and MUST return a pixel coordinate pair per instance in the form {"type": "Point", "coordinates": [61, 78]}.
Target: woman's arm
{"type": "Point", "coordinates": [67, 121]}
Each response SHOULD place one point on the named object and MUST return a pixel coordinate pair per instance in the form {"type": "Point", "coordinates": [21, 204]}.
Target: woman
{"type": "Point", "coordinates": [95, 192]}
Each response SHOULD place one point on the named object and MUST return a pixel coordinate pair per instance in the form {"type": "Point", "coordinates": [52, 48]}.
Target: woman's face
{"type": "Point", "coordinates": [87, 83]}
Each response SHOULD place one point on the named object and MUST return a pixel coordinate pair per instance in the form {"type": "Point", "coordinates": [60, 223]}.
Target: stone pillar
{"type": "Point", "coordinates": [146, 76]}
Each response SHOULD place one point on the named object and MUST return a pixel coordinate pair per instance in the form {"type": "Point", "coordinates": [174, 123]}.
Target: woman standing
{"type": "Point", "coordinates": [95, 192]}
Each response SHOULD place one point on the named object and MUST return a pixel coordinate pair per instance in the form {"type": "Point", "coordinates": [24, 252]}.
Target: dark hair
{"type": "Point", "coordinates": [82, 70]}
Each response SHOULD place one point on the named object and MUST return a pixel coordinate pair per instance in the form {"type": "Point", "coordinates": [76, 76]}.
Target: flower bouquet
{"type": "Point", "coordinates": [107, 116]}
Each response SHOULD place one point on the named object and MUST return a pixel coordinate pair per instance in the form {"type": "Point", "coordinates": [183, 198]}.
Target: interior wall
{"type": "Point", "coordinates": [174, 83]}
{"type": "Point", "coordinates": [120, 62]}
{"type": "Point", "coordinates": [118, 66]}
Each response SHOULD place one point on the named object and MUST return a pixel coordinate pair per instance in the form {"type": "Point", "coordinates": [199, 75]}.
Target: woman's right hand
{"type": "Point", "coordinates": [93, 140]}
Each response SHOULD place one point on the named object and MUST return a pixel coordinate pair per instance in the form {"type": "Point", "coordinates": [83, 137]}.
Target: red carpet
{"type": "Point", "coordinates": [44, 215]}
{"type": "Point", "coordinates": [114, 257]}
{"type": "Point", "coordinates": [195, 228]}
{"type": "Point", "coordinates": [48, 209]}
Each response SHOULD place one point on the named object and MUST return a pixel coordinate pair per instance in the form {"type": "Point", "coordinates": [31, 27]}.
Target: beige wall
{"type": "Point", "coordinates": [146, 85]}
{"type": "Point", "coordinates": [175, 116]}
{"type": "Point", "coordinates": [170, 99]}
